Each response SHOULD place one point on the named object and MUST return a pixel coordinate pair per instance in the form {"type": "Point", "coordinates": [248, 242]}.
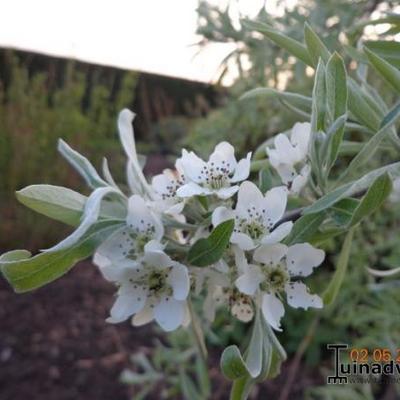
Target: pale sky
{"type": "Point", "coordinates": [145, 35]}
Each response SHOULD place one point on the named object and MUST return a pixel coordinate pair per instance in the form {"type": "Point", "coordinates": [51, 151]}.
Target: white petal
{"type": "Point", "coordinates": [225, 193]}
{"type": "Point", "coordinates": [240, 259]}
{"type": "Point", "coordinates": [274, 204]}
{"type": "Point", "coordinates": [162, 182]}
{"type": "Point", "coordinates": [286, 172]}
{"type": "Point", "coordinates": [143, 317]}
{"type": "Point", "coordinates": [278, 233]}
{"type": "Point", "coordinates": [192, 166]}
{"type": "Point", "coordinates": [244, 241]}
{"type": "Point", "coordinates": [129, 301]}
{"type": "Point", "coordinates": [100, 260]}
{"type": "Point", "coordinates": [287, 153]}
{"type": "Point", "coordinates": [176, 208]}
{"type": "Point", "coordinates": [298, 296]}
{"type": "Point", "coordinates": [273, 310]}
{"type": "Point", "coordinates": [141, 218]}
{"type": "Point", "coordinates": [302, 258]}
{"type": "Point", "coordinates": [248, 196]}
{"type": "Point", "coordinates": [249, 282]}
{"type": "Point", "coordinates": [242, 170]}
{"type": "Point", "coordinates": [192, 189]}
{"type": "Point", "coordinates": [270, 254]}
{"type": "Point", "coordinates": [300, 137]}
{"type": "Point", "coordinates": [178, 278]}
{"type": "Point", "coordinates": [117, 247]}
{"type": "Point", "coordinates": [221, 214]}
{"type": "Point", "coordinates": [169, 313]}
{"type": "Point", "coordinates": [224, 152]}
{"type": "Point", "coordinates": [156, 257]}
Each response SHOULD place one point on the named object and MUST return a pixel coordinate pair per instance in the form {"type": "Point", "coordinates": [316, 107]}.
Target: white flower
{"type": "Point", "coordinates": [221, 292]}
{"type": "Point", "coordinates": [255, 216]}
{"type": "Point", "coordinates": [153, 286]}
{"type": "Point", "coordinates": [289, 156]}
{"type": "Point", "coordinates": [214, 176]}
{"type": "Point", "coordinates": [127, 244]}
{"type": "Point", "coordinates": [271, 276]}
{"type": "Point", "coordinates": [165, 186]}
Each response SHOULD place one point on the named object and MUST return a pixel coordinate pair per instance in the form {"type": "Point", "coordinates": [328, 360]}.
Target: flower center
{"type": "Point", "coordinates": [216, 176]}
{"type": "Point", "coordinates": [156, 281]}
{"type": "Point", "coordinates": [276, 277]}
{"type": "Point", "coordinates": [254, 227]}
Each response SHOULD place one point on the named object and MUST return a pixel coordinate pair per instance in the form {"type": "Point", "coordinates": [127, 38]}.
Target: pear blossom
{"type": "Point", "coordinates": [215, 176]}
{"type": "Point", "coordinates": [153, 286]}
{"type": "Point", "coordinates": [219, 281]}
{"type": "Point", "coordinates": [275, 272]}
{"type": "Point", "coordinates": [127, 243]}
{"type": "Point", "coordinates": [289, 157]}
{"type": "Point", "coordinates": [255, 216]}
{"type": "Point", "coordinates": [165, 186]}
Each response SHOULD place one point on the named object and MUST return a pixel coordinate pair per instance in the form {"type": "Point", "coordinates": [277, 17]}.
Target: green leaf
{"type": "Point", "coordinates": [232, 363]}
{"type": "Point", "coordinates": [369, 149]}
{"type": "Point", "coordinates": [304, 228]}
{"type": "Point", "coordinates": [352, 188]}
{"type": "Point", "coordinates": [55, 202]}
{"type": "Point", "coordinates": [343, 210]}
{"type": "Point", "coordinates": [360, 107]}
{"type": "Point", "coordinates": [208, 251]}
{"type": "Point", "coordinates": [333, 288]}
{"type": "Point", "coordinates": [266, 180]}
{"type": "Point", "coordinates": [303, 103]}
{"type": "Point", "coordinates": [373, 199]}
{"type": "Point", "coordinates": [91, 214]}
{"type": "Point", "coordinates": [389, 50]}
{"type": "Point", "coordinates": [292, 46]}
{"type": "Point", "coordinates": [390, 73]}
{"type": "Point", "coordinates": [332, 145]}
{"type": "Point", "coordinates": [315, 46]}
{"type": "Point", "coordinates": [336, 87]}
{"type": "Point", "coordinates": [82, 165]}
{"type": "Point", "coordinates": [25, 274]}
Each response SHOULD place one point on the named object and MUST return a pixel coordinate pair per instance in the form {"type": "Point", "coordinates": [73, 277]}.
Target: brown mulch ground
{"type": "Point", "coordinates": [55, 344]}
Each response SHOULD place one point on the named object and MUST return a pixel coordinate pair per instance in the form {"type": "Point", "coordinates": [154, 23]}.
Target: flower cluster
{"type": "Point", "coordinates": [147, 257]}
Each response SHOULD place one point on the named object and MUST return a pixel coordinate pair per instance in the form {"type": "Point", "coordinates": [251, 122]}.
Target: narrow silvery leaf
{"type": "Point", "coordinates": [390, 73]}
{"type": "Point", "coordinates": [292, 46]}
{"type": "Point", "coordinates": [82, 165]}
{"type": "Point", "coordinates": [315, 46]}
{"type": "Point", "coordinates": [360, 107]}
{"type": "Point", "coordinates": [107, 174]}
{"type": "Point", "coordinates": [90, 215]}
{"type": "Point", "coordinates": [372, 145]}
{"type": "Point", "coordinates": [133, 180]}
{"type": "Point", "coordinates": [127, 138]}
{"type": "Point", "coordinates": [389, 50]}
{"type": "Point", "coordinates": [333, 288]}
{"type": "Point", "coordinates": [373, 199]}
{"type": "Point", "coordinates": [333, 140]}
{"type": "Point", "coordinates": [235, 366]}
{"type": "Point", "coordinates": [305, 227]}
{"type": "Point", "coordinates": [352, 188]}
{"type": "Point", "coordinates": [336, 87]}
{"type": "Point", "coordinates": [55, 202]}
{"type": "Point", "coordinates": [25, 273]}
